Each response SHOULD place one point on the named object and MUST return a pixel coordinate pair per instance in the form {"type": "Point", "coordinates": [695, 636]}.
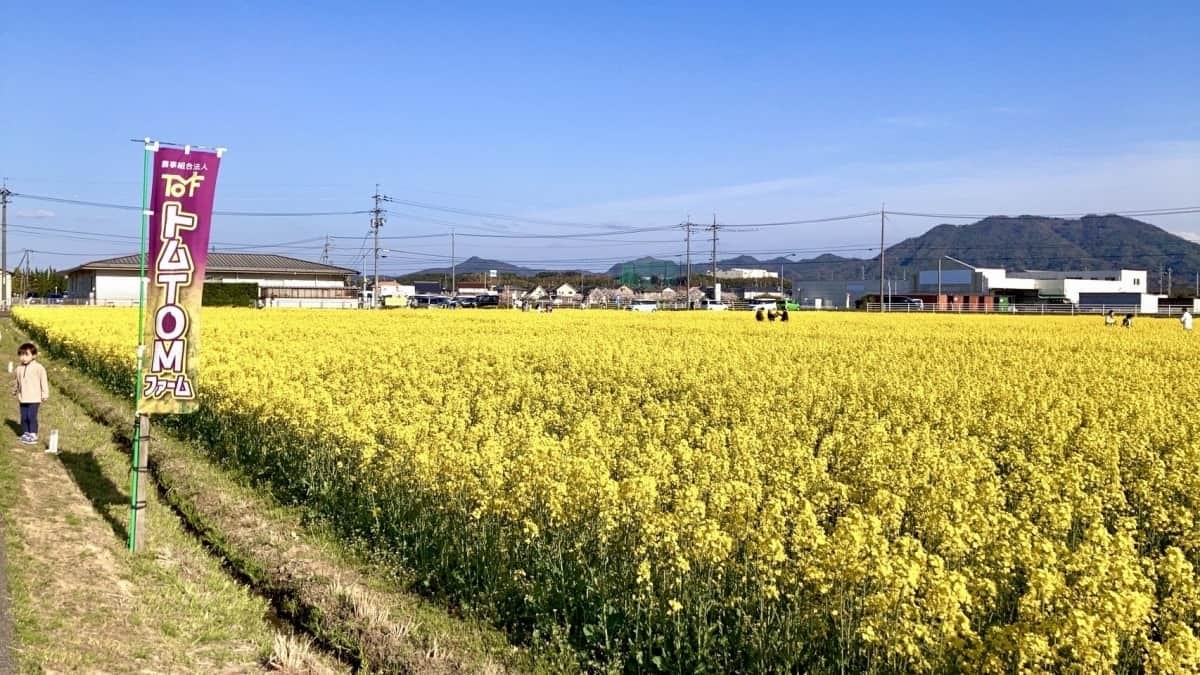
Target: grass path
{"type": "Point", "coordinates": [80, 602]}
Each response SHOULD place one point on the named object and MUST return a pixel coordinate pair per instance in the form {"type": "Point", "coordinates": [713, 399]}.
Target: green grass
{"type": "Point", "coordinates": [80, 601]}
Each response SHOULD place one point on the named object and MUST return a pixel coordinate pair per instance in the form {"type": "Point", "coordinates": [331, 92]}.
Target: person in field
{"type": "Point", "coordinates": [1186, 320]}
{"type": "Point", "coordinates": [783, 314]}
{"type": "Point", "coordinates": [758, 314]}
{"type": "Point", "coordinates": [1127, 322]}
{"type": "Point", "coordinates": [31, 389]}
{"type": "Point", "coordinates": [1109, 319]}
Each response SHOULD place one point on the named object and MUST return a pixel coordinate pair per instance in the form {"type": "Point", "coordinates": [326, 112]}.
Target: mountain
{"type": "Point", "coordinates": [475, 265]}
{"type": "Point", "coordinates": [646, 267]}
{"type": "Point", "coordinates": [1040, 243]}
{"type": "Point", "coordinates": [740, 261]}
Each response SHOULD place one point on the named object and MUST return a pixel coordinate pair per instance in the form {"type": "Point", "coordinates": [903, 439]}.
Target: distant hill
{"type": "Point", "coordinates": [1014, 243]}
{"type": "Point", "coordinates": [647, 267]}
{"type": "Point", "coordinates": [1035, 242]}
{"type": "Point", "coordinates": [475, 265]}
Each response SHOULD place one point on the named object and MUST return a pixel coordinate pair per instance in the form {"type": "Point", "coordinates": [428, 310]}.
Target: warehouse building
{"type": "Point", "coordinates": [282, 281]}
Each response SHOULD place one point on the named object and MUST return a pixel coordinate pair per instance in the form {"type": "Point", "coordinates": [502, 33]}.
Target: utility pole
{"type": "Point", "coordinates": [714, 257]}
{"type": "Point", "coordinates": [28, 272]}
{"type": "Point", "coordinates": [376, 223]}
{"type": "Point", "coordinates": [5, 291]}
{"type": "Point", "coordinates": [881, 267]}
{"type": "Point", "coordinates": [687, 239]}
{"type": "Point", "coordinates": [1168, 282]}
{"type": "Point", "coordinates": [325, 251]}
{"type": "Point", "coordinates": [453, 264]}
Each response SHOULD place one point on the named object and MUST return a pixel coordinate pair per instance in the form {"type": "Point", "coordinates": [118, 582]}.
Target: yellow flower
{"type": "Point", "coordinates": [924, 493]}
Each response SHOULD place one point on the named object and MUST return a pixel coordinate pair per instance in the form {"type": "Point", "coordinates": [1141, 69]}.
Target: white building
{"type": "Point", "coordinates": [1086, 289]}
{"type": "Point", "coordinates": [745, 273]}
{"type": "Point", "coordinates": [282, 281]}
{"type": "Point", "coordinates": [395, 289]}
{"type": "Point", "coordinates": [1099, 288]}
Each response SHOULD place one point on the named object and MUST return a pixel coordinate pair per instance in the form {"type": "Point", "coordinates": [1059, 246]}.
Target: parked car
{"type": "Point", "coordinates": [488, 300]}
{"type": "Point", "coordinates": [644, 306]}
{"type": "Point", "coordinates": [713, 305]}
{"type": "Point", "coordinates": [766, 305]}
{"type": "Point", "coordinates": [913, 303]}
{"type": "Point", "coordinates": [431, 302]}
{"type": "Point", "coordinates": [466, 301]}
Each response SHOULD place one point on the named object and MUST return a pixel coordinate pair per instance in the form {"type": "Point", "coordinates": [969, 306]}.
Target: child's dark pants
{"type": "Point", "coordinates": [29, 423]}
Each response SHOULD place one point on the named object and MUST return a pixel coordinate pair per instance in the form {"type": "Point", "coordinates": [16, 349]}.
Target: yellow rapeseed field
{"type": "Point", "coordinates": [701, 492]}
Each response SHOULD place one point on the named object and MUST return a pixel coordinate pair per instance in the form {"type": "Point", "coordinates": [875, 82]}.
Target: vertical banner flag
{"type": "Point", "coordinates": [181, 203]}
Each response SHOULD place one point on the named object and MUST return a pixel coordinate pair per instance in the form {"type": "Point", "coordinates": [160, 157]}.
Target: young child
{"type": "Point", "coordinates": [31, 388]}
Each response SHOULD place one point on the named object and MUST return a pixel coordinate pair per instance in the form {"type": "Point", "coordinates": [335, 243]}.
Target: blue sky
{"type": "Point", "coordinates": [614, 115]}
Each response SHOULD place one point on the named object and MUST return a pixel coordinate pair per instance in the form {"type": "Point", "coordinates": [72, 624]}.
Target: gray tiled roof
{"type": "Point", "coordinates": [229, 262]}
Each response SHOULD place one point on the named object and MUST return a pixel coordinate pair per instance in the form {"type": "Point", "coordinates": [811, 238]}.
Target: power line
{"type": "Point", "coordinates": [502, 216]}
{"type": "Point", "coordinates": [809, 221]}
{"type": "Point", "coordinates": [448, 223]}
{"type": "Point", "coordinates": [568, 236]}
{"type": "Point", "coordinates": [435, 235]}
{"type": "Point", "coordinates": [606, 229]}
{"type": "Point", "coordinates": [86, 235]}
{"type": "Point", "coordinates": [125, 207]}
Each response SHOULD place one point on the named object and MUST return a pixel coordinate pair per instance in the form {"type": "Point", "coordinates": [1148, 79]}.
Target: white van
{"type": "Point", "coordinates": [644, 306]}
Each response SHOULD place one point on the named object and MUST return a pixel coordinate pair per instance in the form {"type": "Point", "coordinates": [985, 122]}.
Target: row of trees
{"type": "Point", "coordinates": [38, 281]}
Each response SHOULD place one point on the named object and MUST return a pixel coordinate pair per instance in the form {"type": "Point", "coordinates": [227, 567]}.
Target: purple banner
{"type": "Point", "coordinates": [181, 203]}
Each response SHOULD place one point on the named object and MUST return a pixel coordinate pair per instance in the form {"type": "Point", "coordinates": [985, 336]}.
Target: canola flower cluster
{"type": "Point", "coordinates": [701, 492]}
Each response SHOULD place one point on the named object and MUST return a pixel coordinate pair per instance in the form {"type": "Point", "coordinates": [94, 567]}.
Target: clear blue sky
{"type": "Point", "coordinates": [614, 115]}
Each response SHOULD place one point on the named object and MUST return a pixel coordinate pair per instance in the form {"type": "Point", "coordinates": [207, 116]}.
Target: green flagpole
{"type": "Point", "coordinates": [134, 471]}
